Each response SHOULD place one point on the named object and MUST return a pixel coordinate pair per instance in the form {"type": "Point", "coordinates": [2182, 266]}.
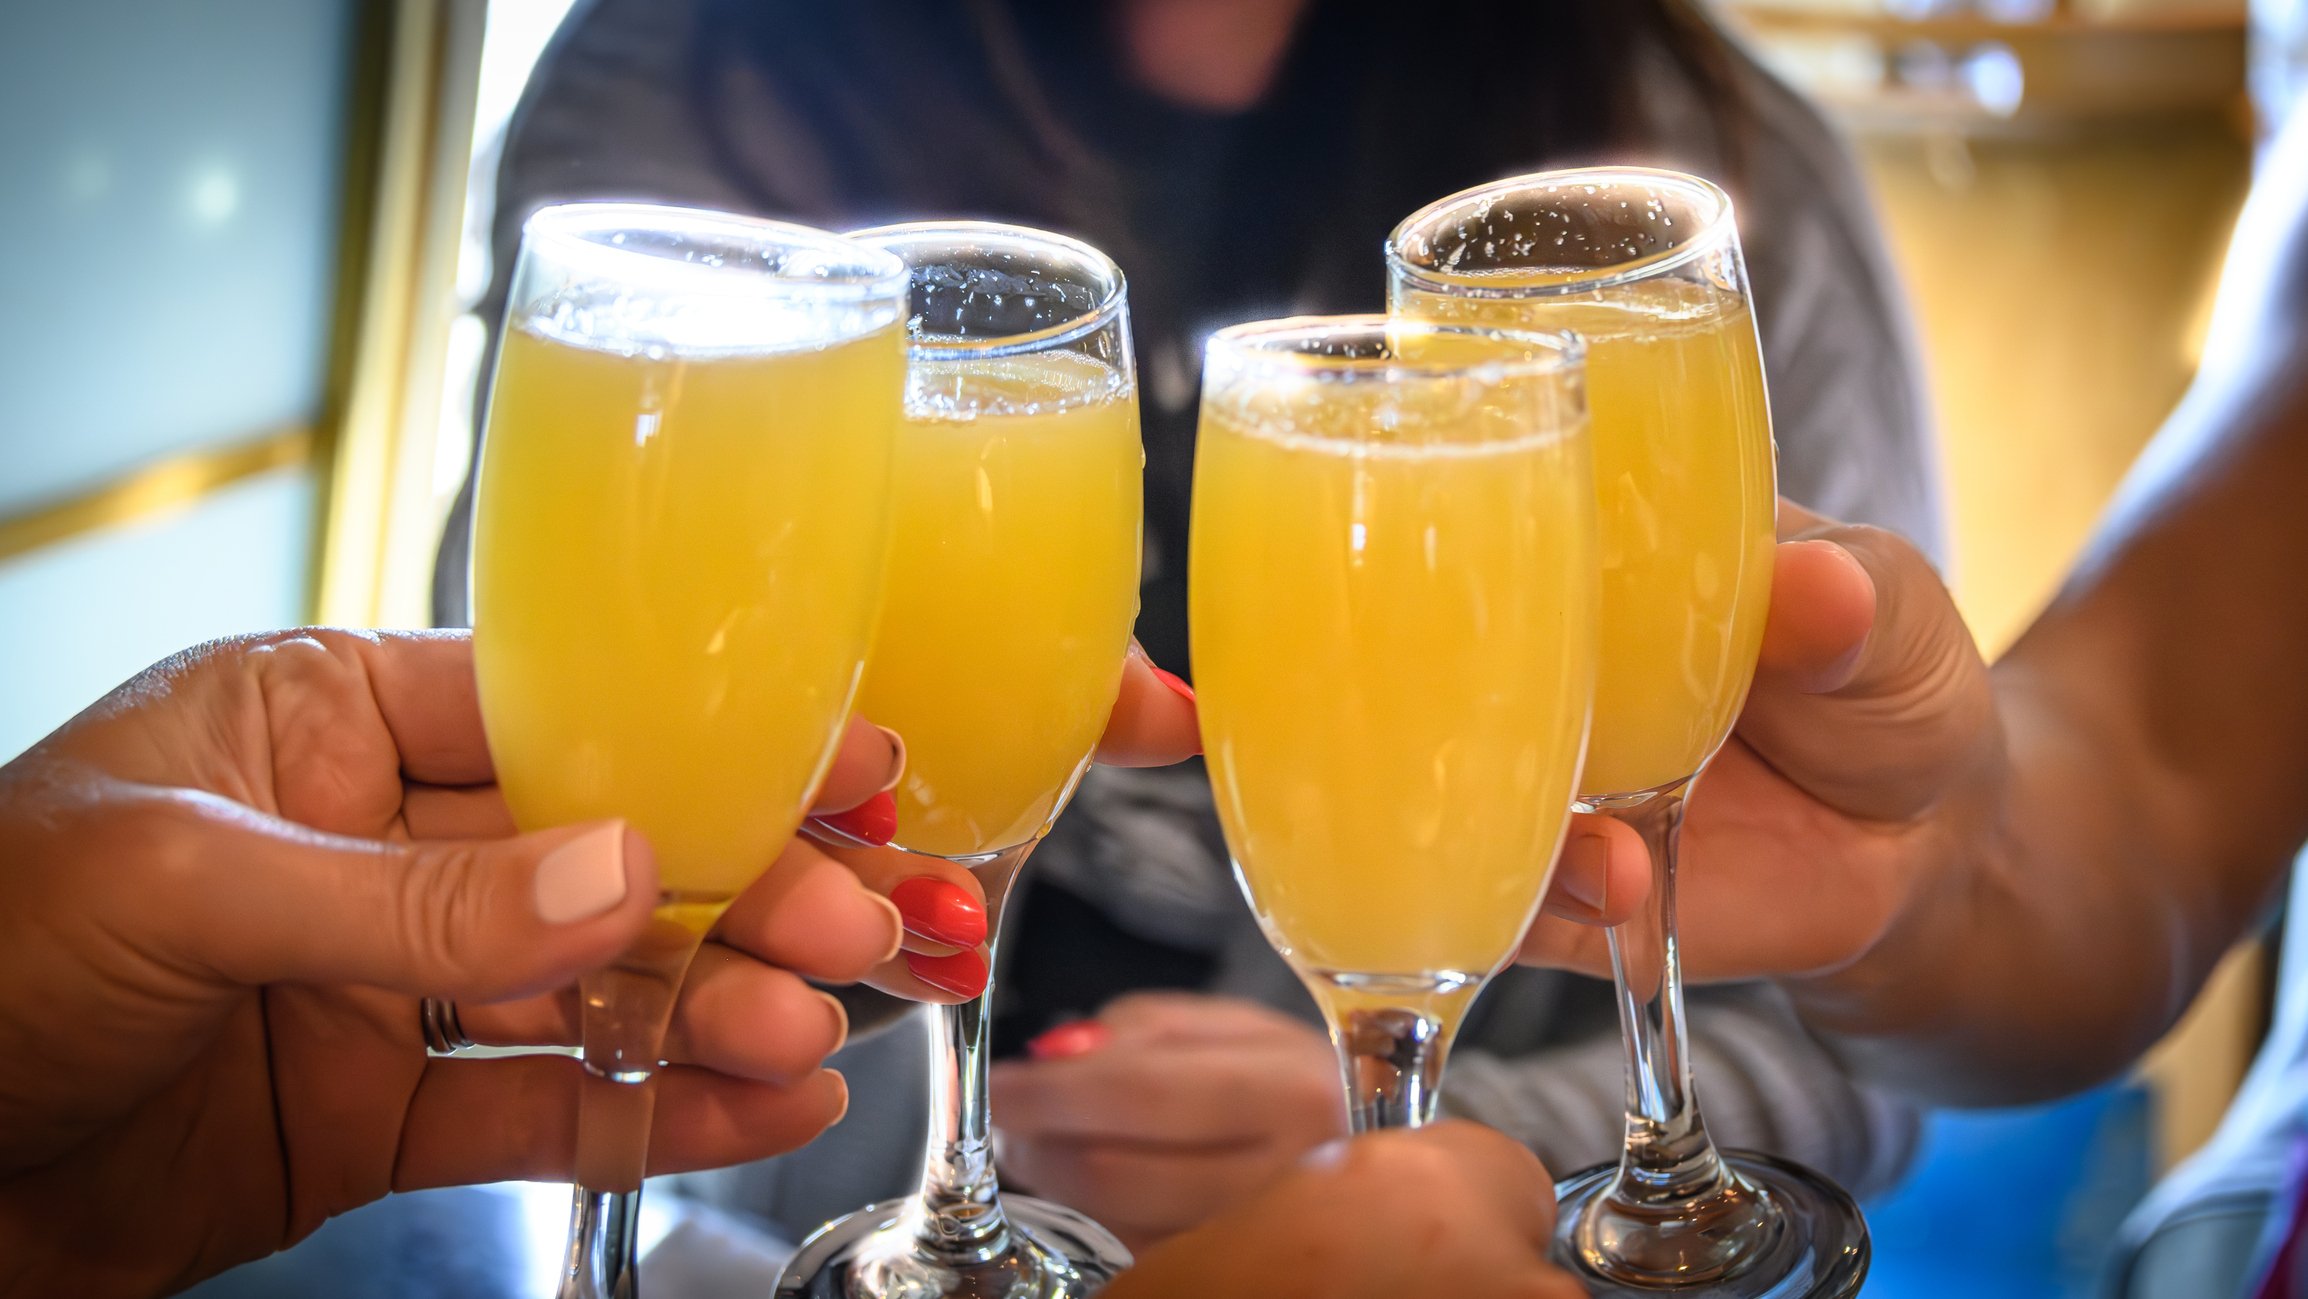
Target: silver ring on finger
{"type": "Point", "coordinates": [444, 1035]}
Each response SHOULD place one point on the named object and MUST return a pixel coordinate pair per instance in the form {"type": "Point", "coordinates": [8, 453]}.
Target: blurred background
{"type": "Point", "coordinates": [238, 239]}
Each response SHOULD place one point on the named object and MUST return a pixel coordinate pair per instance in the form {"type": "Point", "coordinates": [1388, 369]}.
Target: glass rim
{"type": "Point", "coordinates": [1719, 228]}
{"type": "Point", "coordinates": [1242, 344]}
{"type": "Point", "coordinates": [1111, 303]}
{"type": "Point", "coordinates": [566, 227]}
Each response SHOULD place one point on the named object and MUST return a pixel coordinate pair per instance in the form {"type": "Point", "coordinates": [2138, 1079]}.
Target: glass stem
{"type": "Point", "coordinates": [1392, 1032]}
{"type": "Point", "coordinates": [1675, 1213]}
{"type": "Point", "coordinates": [603, 1262]}
{"type": "Point", "coordinates": [962, 1220]}
{"type": "Point", "coordinates": [1393, 1060]}
{"type": "Point", "coordinates": [625, 1006]}
{"type": "Point", "coordinates": [1668, 1154]}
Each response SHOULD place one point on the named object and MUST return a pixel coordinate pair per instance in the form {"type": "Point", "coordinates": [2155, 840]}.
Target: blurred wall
{"type": "Point", "coordinates": [2063, 284]}
{"type": "Point", "coordinates": [170, 180]}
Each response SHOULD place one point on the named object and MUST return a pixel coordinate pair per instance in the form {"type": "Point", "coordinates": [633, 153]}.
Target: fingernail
{"type": "Point", "coordinates": [1176, 683]}
{"type": "Point", "coordinates": [1586, 871]}
{"type": "Point", "coordinates": [962, 974]}
{"type": "Point", "coordinates": [583, 877]}
{"type": "Point", "coordinates": [844, 1082]}
{"type": "Point", "coordinates": [940, 911]}
{"type": "Point", "coordinates": [840, 1019]}
{"type": "Point", "coordinates": [1330, 1154]}
{"type": "Point", "coordinates": [870, 822]}
{"type": "Point", "coordinates": [897, 924]}
{"type": "Point", "coordinates": [897, 757]}
{"type": "Point", "coordinates": [1066, 1041]}
{"type": "Point", "coordinates": [1837, 675]}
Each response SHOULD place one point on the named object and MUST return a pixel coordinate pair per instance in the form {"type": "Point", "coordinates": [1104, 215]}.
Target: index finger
{"type": "Point", "coordinates": [424, 687]}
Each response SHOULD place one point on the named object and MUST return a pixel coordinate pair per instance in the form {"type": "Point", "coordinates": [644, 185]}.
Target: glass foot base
{"type": "Point", "coordinates": [1055, 1253]}
{"type": "Point", "coordinates": [1820, 1250]}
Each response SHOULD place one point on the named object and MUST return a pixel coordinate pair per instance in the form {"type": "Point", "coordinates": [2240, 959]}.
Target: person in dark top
{"type": "Point", "coordinates": [1243, 159]}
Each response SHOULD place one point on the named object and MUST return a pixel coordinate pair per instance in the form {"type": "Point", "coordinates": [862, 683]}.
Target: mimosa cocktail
{"type": "Point", "coordinates": [1013, 584]}
{"type": "Point", "coordinates": [1686, 494]}
{"type": "Point", "coordinates": [1645, 265]}
{"type": "Point", "coordinates": [680, 529]}
{"type": "Point", "coordinates": [674, 563]}
{"type": "Point", "coordinates": [1393, 609]}
{"type": "Point", "coordinates": [1394, 652]}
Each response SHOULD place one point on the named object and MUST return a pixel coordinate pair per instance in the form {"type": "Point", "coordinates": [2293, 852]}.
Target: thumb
{"type": "Point", "coordinates": [1878, 695]}
{"type": "Point", "coordinates": [260, 900]}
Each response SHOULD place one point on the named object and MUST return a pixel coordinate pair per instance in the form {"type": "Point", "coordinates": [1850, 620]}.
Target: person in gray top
{"type": "Point", "coordinates": [1241, 160]}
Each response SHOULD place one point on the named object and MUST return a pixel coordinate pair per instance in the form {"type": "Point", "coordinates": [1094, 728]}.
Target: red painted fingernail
{"type": "Point", "coordinates": [1069, 1040]}
{"type": "Point", "coordinates": [1176, 683]}
{"type": "Point", "coordinates": [962, 974]}
{"type": "Point", "coordinates": [872, 821]}
{"type": "Point", "coordinates": [940, 911]}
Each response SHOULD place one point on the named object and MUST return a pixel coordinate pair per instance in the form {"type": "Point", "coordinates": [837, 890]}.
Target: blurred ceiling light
{"type": "Point", "coordinates": [1996, 79]}
{"type": "Point", "coordinates": [213, 196]}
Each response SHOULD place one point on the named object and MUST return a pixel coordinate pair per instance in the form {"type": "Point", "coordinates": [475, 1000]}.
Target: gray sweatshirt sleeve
{"type": "Point", "coordinates": [1763, 1082]}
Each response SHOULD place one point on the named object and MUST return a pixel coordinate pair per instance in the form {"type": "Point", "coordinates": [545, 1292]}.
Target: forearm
{"type": "Point", "coordinates": [2042, 947]}
{"type": "Point", "coordinates": [2082, 877]}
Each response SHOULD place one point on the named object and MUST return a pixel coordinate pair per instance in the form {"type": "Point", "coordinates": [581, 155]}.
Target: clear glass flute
{"type": "Point", "coordinates": [1013, 585]}
{"type": "Point", "coordinates": [679, 538]}
{"type": "Point", "coordinates": [1393, 611]}
{"type": "Point", "coordinates": [1645, 266]}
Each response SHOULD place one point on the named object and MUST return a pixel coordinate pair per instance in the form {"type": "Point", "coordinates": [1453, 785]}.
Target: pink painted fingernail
{"type": "Point", "coordinates": [1330, 1154]}
{"type": "Point", "coordinates": [583, 877]}
{"type": "Point", "coordinates": [1066, 1041]}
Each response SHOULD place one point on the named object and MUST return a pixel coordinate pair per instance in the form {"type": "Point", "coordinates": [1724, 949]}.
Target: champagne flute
{"type": "Point", "coordinates": [682, 521]}
{"type": "Point", "coordinates": [1393, 604]}
{"type": "Point", "coordinates": [1645, 266]}
{"type": "Point", "coordinates": [1012, 588]}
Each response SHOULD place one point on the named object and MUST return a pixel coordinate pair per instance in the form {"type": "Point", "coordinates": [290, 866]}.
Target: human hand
{"type": "Point", "coordinates": [1166, 1109]}
{"type": "Point", "coordinates": [942, 903]}
{"type": "Point", "coordinates": [1870, 724]}
{"type": "Point", "coordinates": [223, 889]}
{"type": "Point", "coordinates": [1450, 1209]}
